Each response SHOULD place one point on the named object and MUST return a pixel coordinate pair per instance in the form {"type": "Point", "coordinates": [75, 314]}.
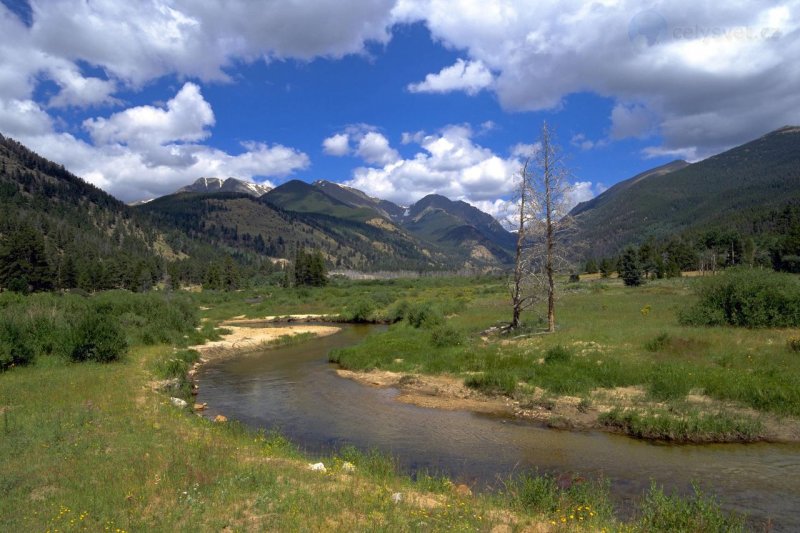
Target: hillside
{"type": "Point", "coordinates": [80, 236]}
{"type": "Point", "coordinates": [458, 226]}
{"type": "Point", "coordinates": [258, 226]}
{"type": "Point", "coordinates": [757, 177]}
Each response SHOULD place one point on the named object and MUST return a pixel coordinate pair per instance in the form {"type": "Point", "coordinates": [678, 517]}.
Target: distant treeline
{"type": "Point", "coordinates": [767, 240]}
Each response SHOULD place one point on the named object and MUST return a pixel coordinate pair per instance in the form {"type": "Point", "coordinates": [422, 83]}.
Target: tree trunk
{"type": "Point", "coordinates": [548, 184]}
{"type": "Point", "coordinates": [516, 294]}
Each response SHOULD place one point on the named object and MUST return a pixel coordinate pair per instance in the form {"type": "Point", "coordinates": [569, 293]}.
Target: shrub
{"type": "Point", "coordinates": [446, 335]}
{"type": "Point", "coordinates": [424, 315]}
{"type": "Point", "coordinates": [398, 311]}
{"type": "Point", "coordinates": [15, 347]}
{"type": "Point", "coordinates": [794, 344]}
{"type": "Point", "coordinates": [98, 337]}
{"type": "Point", "coordinates": [360, 311]}
{"type": "Point", "coordinates": [557, 354]}
{"type": "Point", "coordinates": [746, 298]}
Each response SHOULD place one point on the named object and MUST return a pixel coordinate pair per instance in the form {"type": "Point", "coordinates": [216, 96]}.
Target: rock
{"type": "Point", "coordinates": [397, 497]}
{"type": "Point", "coordinates": [166, 384]}
{"type": "Point", "coordinates": [317, 467]}
{"type": "Point", "coordinates": [348, 467]}
{"type": "Point", "coordinates": [200, 406]}
{"type": "Point", "coordinates": [177, 402]}
{"type": "Point", "coordinates": [463, 490]}
{"type": "Point", "coordinates": [220, 418]}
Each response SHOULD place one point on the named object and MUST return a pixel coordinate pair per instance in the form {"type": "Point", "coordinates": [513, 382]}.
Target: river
{"type": "Point", "coordinates": [294, 389]}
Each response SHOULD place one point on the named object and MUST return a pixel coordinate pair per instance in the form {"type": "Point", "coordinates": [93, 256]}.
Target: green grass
{"type": "Point", "coordinates": [689, 427]}
{"type": "Point", "coordinates": [92, 445]}
{"type": "Point", "coordinates": [699, 513]}
{"type": "Point", "coordinates": [604, 339]}
{"type": "Point", "coordinates": [88, 446]}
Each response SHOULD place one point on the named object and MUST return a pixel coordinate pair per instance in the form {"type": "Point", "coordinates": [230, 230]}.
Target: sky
{"type": "Point", "coordinates": [398, 98]}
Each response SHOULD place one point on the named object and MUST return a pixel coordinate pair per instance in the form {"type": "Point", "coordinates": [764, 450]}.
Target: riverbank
{"type": "Point", "coordinates": [619, 362]}
{"type": "Point", "coordinates": [601, 413]}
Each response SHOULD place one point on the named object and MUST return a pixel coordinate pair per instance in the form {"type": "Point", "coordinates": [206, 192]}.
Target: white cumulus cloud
{"type": "Point", "coordinates": [468, 76]}
{"type": "Point", "coordinates": [707, 78]}
{"type": "Point", "coordinates": [337, 145]}
{"type": "Point", "coordinates": [148, 151]}
{"type": "Point", "coordinates": [449, 163]}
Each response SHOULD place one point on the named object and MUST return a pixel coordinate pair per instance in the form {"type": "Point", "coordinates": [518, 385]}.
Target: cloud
{"type": "Point", "coordinates": [136, 43]}
{"type": "Point", "coordinates": [374, 148]}
{"type": "Point", "coordinates": [79, 91]}
{"type": "Point", "coordinates": [579, 140]}
{"type": "Point", "coordinates": [370, 145]}
{"type": "Point", "coordinates": [149, 151]}
{"type": "Point", "coordinates": [631, 120]}
{"type": "Point", "coordinates": [583, 191]}
{"type": "Point", "coordinates": [522, 150]}
{"type": "Point", "coordinates": [449, 163]}
{"type": "Point", "coordinates": [337, 145]}
{"type": "Point", "coordinates": [709, 79]}
{"type": "Point", "coordinates": [130, 175]}
{"type": "Point", "coordinates": [185, 118]}
{"type": "Point", "coordinates": [468, 76]}
{"type": "Point", "coordinates": [23, 117]}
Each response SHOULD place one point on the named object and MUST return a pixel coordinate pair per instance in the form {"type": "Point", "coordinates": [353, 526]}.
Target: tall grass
{"type": "Point", "coordinates": [99, 327]}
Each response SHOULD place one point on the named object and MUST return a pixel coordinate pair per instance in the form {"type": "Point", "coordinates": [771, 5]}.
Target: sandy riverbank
{"type": "Point", "coordinates": [241, 339]}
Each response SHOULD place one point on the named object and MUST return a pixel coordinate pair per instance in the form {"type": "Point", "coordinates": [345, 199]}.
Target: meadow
{"type": "Point", "coordinates": [90, 445]}
{"type": "Point", "coordinates": [684, 383]}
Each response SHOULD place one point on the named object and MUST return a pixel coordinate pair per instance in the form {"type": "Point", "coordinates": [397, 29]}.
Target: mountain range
{"type": "Point", "coordinates": [747, 189]}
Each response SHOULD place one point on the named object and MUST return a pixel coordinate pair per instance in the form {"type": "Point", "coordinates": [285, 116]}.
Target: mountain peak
{"type": "Point", "coordinates": [211, 185]}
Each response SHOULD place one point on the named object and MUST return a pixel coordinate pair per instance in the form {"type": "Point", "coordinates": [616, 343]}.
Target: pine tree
{"type": "Point", "coordinates": [630, 269]}
{"type": "Point", "coordinates": [23, 264]}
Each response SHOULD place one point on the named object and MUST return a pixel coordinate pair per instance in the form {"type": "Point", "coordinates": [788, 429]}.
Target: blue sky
{"type": "Point", "coordinates": [399, 98]}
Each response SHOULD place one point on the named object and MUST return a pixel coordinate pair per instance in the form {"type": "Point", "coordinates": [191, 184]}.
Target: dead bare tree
{"type": "Point", "coordinates": [543, 189]}
{"type": "Point", "coordinates": [522, 296]}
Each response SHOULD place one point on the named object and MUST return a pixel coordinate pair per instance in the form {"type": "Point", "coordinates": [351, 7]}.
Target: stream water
{"type": "Point", "coordinates": [295, 390]}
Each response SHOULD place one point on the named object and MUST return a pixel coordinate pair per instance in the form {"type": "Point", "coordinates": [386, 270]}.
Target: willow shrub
{"type": "Point", "coordinates": [746, 298]}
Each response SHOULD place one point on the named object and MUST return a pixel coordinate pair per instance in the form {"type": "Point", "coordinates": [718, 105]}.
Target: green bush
{"type": "Point", "coordinates": [424, 315]}
{"type": "Point", "coordinates": [98, 337]}
{"type": "Point", "coordinates": [747, 298]}
{"type": "Point", "coordinates": [15, 347]}
{"type": "Point", "coordinates": [794, 344]}
{"type": "Point", "coordinates": [557, 354]}
{"type": "Point", "coordinates": [398, 311]}
{"type": "Point", "coordinates": [359, 311]}
{"type": "Point", "coordinates": [446, 335]}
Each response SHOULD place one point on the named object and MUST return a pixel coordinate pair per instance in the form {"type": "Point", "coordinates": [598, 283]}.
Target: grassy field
{"type": "Point", "coordinates": [689, 384]}
{"type": "Point", "coordinates": [92, 447]}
